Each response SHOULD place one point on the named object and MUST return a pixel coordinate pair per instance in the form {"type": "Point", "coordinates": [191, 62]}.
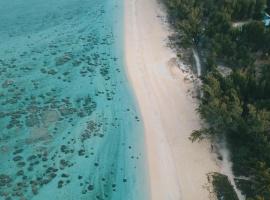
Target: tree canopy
{"type": "Point", "coordinates": [237, 106]}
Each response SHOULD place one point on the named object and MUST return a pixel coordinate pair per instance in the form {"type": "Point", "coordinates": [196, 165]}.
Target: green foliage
{"type": "Point", "coordinates": [191, 26]}
{"type": "Point", "coordinates": [232, 107]}
{"type": "Point", "coordinates": [244, 9]}
{"type": "Point", "coordinates": [236, 107]}
{"type": "Point", "coordinates": [223, 187]}
{"type": "Point", "coordinates": [262, 180]}
{"type": "Point", "coordinates": [259, 7]}
{"type": "Point", "coordinates": [198, 135]}
{"type": "Point", "coordinates": [254, 34]}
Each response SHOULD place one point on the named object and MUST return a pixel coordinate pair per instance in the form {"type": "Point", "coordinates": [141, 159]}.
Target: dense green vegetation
{"type": "Point", "coordinates": [235, 107]}
{"type": "Point", "coordinates": [222, 187]}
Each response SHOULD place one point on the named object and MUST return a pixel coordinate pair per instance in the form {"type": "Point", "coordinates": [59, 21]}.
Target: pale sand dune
{"type": "Point", "coordinates": [177, 167]}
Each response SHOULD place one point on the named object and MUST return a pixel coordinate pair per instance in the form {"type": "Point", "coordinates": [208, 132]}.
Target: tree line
{"type": "Point", "coordinates": [235, 107]}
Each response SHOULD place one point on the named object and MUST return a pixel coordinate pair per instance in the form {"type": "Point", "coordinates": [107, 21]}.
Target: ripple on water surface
{"type": "Point", "coordinates": [69, 128]}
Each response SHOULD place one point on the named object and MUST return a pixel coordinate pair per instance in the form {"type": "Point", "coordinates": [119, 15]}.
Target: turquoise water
{"type": "Point", "coordinates": [69, 128]}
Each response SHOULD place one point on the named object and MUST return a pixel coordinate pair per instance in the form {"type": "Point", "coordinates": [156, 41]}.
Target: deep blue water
{"type": "Point", "coordinates": [69, 128]}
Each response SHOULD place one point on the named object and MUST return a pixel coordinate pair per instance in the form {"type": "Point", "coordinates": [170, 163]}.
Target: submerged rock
{"type": "Point", "coordinates": [7, 83]}
{"type": "Point", "coordinates": [17, 158]}
{"type": "Point", "coordinates": [63, 59]}
{"type": "Point", "coordinates": [4, 180]}
{"type": "Point", "coordinates": [90, 187]}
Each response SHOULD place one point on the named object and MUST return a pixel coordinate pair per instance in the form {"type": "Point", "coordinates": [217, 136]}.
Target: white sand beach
{"type": "Point", "coordinates": [177, 168]}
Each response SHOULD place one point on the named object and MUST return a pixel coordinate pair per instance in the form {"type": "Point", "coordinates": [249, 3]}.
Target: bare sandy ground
{"type": "Point", "coordinates": [177, 167]}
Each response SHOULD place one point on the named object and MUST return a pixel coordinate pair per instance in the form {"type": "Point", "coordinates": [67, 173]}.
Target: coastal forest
{"type": "Point", "coordinates": [233, 34]}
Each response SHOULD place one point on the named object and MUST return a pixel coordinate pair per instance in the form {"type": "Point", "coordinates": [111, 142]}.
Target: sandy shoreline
{"type": "Point", "coordinates": [177, 168]}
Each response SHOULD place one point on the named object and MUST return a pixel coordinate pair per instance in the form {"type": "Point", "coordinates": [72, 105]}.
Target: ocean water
{"type": "Point", "coordinates": [69, 127]}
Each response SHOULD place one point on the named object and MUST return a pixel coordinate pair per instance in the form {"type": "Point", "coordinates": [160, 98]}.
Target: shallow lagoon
{"type": "Point", "coordinates": [69, 128]}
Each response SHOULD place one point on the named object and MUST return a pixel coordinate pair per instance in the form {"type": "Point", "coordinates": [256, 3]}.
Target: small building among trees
{"type": "Point", "coordinates": [266, 19]}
